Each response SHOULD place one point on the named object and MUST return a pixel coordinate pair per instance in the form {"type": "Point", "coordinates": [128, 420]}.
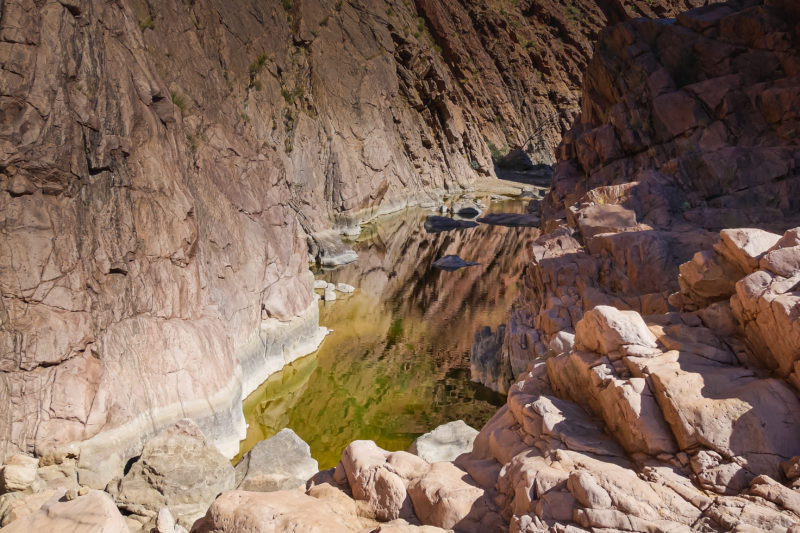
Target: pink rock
{"type": "Point", "coordinates": [608, 330]}
{"type": "Point", "coordinates": [262, 512]}
{"type": "Point", "coordinates": [746, 246]}
{"type": "Point", "coordinates": [95, 512]}
{"type": "Point", "coordinates": [445, 497]}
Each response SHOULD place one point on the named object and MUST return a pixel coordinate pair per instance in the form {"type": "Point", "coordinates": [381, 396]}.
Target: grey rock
{"type": "Point", "coordinates": [282, 462]}
{"type": "Point", "coordinates": [436, 224]}
{"type": "Point", "coordinates": [178, 469]}
{"type": "Point", "coordinates": [451, 263]}
{"type": "Point", "coordinates": [445, 443]}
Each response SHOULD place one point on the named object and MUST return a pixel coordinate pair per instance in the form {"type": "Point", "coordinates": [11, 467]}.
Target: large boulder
{"type": "Point", "coordinates": [380, 478]}
{"type": "Point", "coordinates": [178, 469]}
{"type": "Point", "coordinates": [93, 513]}
{"type": "Point", "coordinates": [282, 462]}
{"type": "Point", "coordinates": [255, 512]}
{"type": "Point", "coordinates": [612, 332]}
{"type": "Point", "coordinates": [445, 497]}
{"type": "Point", "coordinates": [18, 473]}
{"type": "Point", "coordinates": [445, 443]}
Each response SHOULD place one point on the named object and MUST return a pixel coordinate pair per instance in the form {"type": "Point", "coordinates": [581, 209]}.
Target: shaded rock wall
{"type": "Point", "coordinates": [687, 128]}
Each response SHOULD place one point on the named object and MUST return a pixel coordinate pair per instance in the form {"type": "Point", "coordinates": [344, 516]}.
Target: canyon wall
{"type": "Point", "coordinates": [652, 361]}
{"type": "Point", "coordinates": [167, 167]}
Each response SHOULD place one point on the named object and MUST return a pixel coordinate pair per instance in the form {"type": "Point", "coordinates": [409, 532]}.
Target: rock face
{"type": "Point", "coordinates": [282, 462]}
{"type": "Point", "coordinates": [167, 168]}
{"type": "Point", "coordinates": [178, 469]}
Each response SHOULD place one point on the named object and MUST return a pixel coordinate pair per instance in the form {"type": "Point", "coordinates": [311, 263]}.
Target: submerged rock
{"type": "Point", "coordinates": [445, 443]}
{"type": "Point", "coordinates": [511, 220]}
{"type": "Point", "coordinates": [452, 262]}
{"type": "Point", "coordinates": [281, 462]}
{"type": "Point", "coordinates": [436, 224]}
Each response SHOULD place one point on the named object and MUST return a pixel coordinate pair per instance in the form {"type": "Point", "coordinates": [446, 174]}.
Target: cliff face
{"type": "Point", "coordinates": [163, 166]}
{"type": "Point", "coordinates": [652, 360]}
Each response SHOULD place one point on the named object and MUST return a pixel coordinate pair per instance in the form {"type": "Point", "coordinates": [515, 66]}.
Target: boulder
{"type": "Point", "coordinates": [94, 512]}
{"type": "Point", "coordinates": [380, 478]}
{"type": "Point", "coordinates": [18, 473]}
{"type": "Point", "coordinates": [451, 263]}
{"type": "Point", "coordinates": [604, 218]}
{"type": "Point", "coordinates": [612, 332]}
{"type": "Point", "coordinates": [16, 505]}
{"type": "Point", "coordinates": [744, 247]}
{"type": "Point", "coordinates": [467, 208]}
{"type": "Point", "coordinates": [445, 497]}
{"type": "Point", "coordinates": [444, 443]}
{"type": "Point", "coordinates": [281, 462]}
{"type": "Point", "coordinates": [178, 469]}
{"type": "Point", "coordinates": [437, 224]}
{"type": "Point", "coordinates": [257, 512]}
{"type": "Point", "coordinates": [329, 295]}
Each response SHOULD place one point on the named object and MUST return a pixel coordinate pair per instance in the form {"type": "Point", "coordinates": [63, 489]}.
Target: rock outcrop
{"type": "Point", "coordinates": [282, 462]}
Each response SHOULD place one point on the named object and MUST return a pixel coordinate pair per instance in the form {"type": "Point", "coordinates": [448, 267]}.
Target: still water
{"type": "Point", "coordinates": [397, 363]}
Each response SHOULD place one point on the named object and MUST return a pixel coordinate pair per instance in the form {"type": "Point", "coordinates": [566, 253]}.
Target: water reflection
{"type": "Point", "coordinates": [397, 363]}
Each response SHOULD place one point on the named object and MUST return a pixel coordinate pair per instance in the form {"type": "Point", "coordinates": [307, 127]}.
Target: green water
{"type": "Point", "coordinates": [397, 362]}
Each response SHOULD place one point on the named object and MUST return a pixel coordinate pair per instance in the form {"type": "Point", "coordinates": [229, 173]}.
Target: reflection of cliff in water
{"type": "Point", "coordinates": [397, 363]}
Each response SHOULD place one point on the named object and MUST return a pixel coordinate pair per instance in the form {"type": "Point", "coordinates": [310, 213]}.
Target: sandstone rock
{"type": "Point", "coordinates": [745, 247]}
{"type": "Point", "coordinates": [380, 478]}
{"type": "Point", "coordinates": [610, 218]}
{"type": "Point", "coordinates": [436, 224]}
{"type": "Point", "coordinates": [18, 473]}
{"type": "Point", "coordinates": [452, 263]}
{"type": "Point", "coordinates": [725, 408]}
{"type": "Point", "coordinates": [610, 331]}
{"type": "Point", "coordinates": [178, 469]}
{"type": "Point", "coordinates": [791, 468]}
{"type": "Point", "coordinates": [91, 513]}
{"type": "Point", "coordinates": [708, 278]}
{"type": "Point", "coordinates": [444, 443]}
{"type": "Point", "coordinates": [16, 505]}
{"type": "Point", "coordinates": [443, 497]}
{"type": "Point", "coordinates": [282, 462]}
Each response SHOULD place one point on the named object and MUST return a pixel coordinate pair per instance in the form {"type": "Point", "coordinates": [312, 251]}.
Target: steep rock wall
{"type": "Point", "coordinates": [163, 166]}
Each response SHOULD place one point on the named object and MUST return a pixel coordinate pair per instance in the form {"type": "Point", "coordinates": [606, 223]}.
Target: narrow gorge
{"type": "Point", "coordinates": [260, 260]}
